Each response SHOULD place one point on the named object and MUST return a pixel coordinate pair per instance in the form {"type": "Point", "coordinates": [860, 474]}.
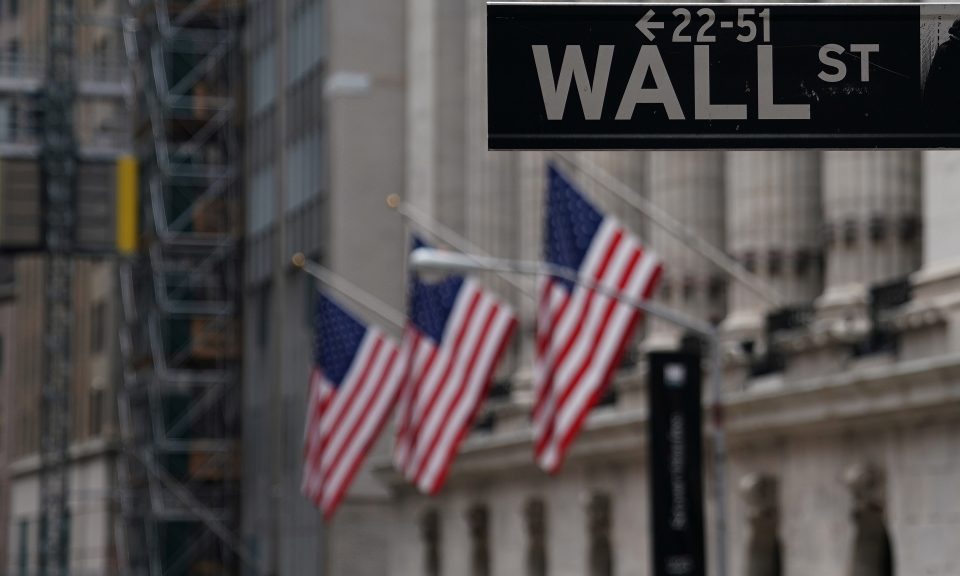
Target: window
{"type": "Point", "coordinates": [263, 317]}
{"type": "Point", "coordinates": [535, 513]}
{"type": "Point", "coordinates": [430, 532]}
{"type": "Point", "coordinates": [96, 407]}
{"type": "Point", "coordinates": [478, 519]}
{"type": "Point", "coordinates": [98, 322]}
{"type": "Point", "coordinates": [261, 201]}
{"type": "Point", "coordinates": [23, 551]}
{"type": "Point", "coordinates": [263, 79]}
{"type": "Point", "coordinates": [601, 549]}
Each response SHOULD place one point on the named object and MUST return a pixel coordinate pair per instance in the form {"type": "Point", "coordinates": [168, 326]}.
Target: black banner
{"type": "Point", "coordinates": [728, 76]}
{"type": "Point", "coordinates": [676, 476]}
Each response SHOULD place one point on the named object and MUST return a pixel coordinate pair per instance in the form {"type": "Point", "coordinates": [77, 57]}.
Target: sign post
{"type": "Point", "coordinates": [723, 76]}
{"type": "Point", "coordinates": [676, 474]}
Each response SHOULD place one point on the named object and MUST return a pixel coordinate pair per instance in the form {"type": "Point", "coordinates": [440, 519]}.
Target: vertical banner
{"type": "Point", "coordinates": [676, 474]}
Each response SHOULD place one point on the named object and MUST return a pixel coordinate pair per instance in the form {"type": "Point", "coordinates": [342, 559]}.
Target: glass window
{"type": "Point", "coordinates": [98, 321]}
{"type": "Point", "coordinates": [430, 532]}
{"type": "Point", "coordinates": [23, 552]}
{"type": "Point", "coordinates": [536, 538]}
{"type": "Point", "coordinates": [478, 518]}
{"type": "Point", "coordinates": [262, 80]}
{"type": "Point", "coordinates": [601, 550]}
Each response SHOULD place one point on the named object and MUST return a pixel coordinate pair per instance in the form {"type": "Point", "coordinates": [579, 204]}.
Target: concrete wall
{"type": "Point", "coordinates": [7, 325]}
{"type": "Point", "coordinates": [91, 517]}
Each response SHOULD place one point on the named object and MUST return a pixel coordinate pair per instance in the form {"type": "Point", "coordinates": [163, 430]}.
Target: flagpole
{"type": "Point", "coordinates": [350, 290]}
{"type": "Point", "coordinates": [444, 234]}
{"type": "Point", "coordinates": [675, 228]}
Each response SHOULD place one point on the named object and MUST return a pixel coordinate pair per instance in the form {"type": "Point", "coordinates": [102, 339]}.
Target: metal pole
{"type": "Point", "coordinates": [438, 230]}
{"type": "Point", "coordinates": [59, 164]}
{"type": "Point", "coordinates": [350, 290]}
{"type": "Point", "coordinates": [429, 258]}
{"type": "Point", "coordinates": [676, 229]}
{"type": "Point", "coordinates": [719, 451]}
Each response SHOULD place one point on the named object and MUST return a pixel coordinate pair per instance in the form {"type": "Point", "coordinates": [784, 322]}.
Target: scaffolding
{"type": "Point", "coordinates": [179, 409]}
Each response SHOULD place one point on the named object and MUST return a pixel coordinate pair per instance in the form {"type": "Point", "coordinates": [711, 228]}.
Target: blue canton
{"type": "Point", "coordinates": [431, 303]}
{"type": "Point", "coordinates": [338, 339]}
{"type": "Point", "coordinates": [571, 224]}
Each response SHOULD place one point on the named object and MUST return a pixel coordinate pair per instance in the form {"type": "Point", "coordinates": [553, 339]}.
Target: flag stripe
{"type": "Point", "coordinates": [444, 417]}
{"type": "Point", "coordinates": [603, 342]}
{"type": "Point", "coordinates": [582, 333]}
{"type": "Point", "coordinates": [454, 435]}
{"type": "Point", "coordinates": [365, 393]}
{"type": "Point", "coordinates": [588, 302]}
{"type": "Point", "coordinates": [419, 357]}
{"type": "Point", "coordinates": [345, 418]}
{"type": "Point", "coordinates": [569, 431]}
{"type": "Point", "coordinates": [453, 378]}
{"type": "Point", "coordinates": [367, 433]}
{"type": "Point", "coordinates": [439, 374]}
{"type": "Point", "coordinates": [442, 400]}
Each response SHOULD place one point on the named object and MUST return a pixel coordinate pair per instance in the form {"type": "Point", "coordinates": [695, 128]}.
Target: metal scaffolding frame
{"type": "Point", "coordinates": [59, 167]}
{"type": "Point", "coordinates": [179, 403]}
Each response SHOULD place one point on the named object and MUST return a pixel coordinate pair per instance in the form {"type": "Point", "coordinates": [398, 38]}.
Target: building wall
{"type": "Point", "coordinates": [324, 149]}
{"type": "Point", "coordinates": [92, 397]}
{"type": "Point", "coordinates": [821, 229]}
{"type": "Point", "coordinates": [7, 326]}
{"type": "Point", "coordinates": [922, 471]}
{"type": "Point", "coordinates": [91, 513]}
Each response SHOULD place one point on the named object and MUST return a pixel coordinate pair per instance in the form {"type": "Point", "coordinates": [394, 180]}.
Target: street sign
{"type": "Point", "coordinates": [725, 76]}
{"type": "Point", "coordinates": [676, 476]}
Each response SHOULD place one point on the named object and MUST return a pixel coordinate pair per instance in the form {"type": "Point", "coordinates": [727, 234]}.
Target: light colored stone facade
{"type": "Point", "coordinates": [787, 217]}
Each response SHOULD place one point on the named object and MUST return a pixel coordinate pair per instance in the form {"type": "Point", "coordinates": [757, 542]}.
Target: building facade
{"type": "Point", "coordinates": [102, 120]}
{"type": "Point", "coordinates": [7, 324]}
{"type": "Point", "coordinates": [324, 148]}
{"type": "Point", "coordinates": [93, 420]}
{"type": "Point", "coordinates": [840, 395]}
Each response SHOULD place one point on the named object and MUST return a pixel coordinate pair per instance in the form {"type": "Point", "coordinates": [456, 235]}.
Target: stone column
{"type": "Point", "coordinates": [872, 214]}
{"type": "Point", "coordinates": [436, 108]}
{"type": "Point", "coordinates": [939, 277]}
{"type": "Point", "coordinates": [941, 211]}
{"type": "Point", "coordinates": [688, 186]}
{"type": "Point", "coordinates": [530, 185]}
{"type": "Point", "coordinates": [488, 182]}
{"type": "Point", "coordinates": [773, 228]}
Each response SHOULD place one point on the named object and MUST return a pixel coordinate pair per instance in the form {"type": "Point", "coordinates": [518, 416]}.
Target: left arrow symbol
{"type": "Point", "coordinates": [645, 25]}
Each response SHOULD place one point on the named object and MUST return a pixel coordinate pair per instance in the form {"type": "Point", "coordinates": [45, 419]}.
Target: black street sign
{"type": "Point", "coordinates": [727, 76]}
{"type": "Point", "coordinates": [676, 476]}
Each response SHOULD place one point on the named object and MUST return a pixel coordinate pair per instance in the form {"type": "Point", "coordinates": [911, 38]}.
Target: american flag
{"type": "Point", "coordinates": [354, 384]}
{"type": "Point", "coordinates": [581, 334]}
{"type": "Point", "coordinates": [455, 336]}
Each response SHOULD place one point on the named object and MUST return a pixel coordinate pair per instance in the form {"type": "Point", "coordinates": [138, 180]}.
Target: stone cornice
{"type": "Point", "coordinates": [79, 452]}
{"type": "Point", "coordinates": [863, 396]}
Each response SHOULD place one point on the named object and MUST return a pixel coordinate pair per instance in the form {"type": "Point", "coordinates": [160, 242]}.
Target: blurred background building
{"type": "Point", "coordinates": [325, 125]}
{"type": "Point", "coordinates": [102, 114]}
{"type": "Point", "coordinates": [269, 127]}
